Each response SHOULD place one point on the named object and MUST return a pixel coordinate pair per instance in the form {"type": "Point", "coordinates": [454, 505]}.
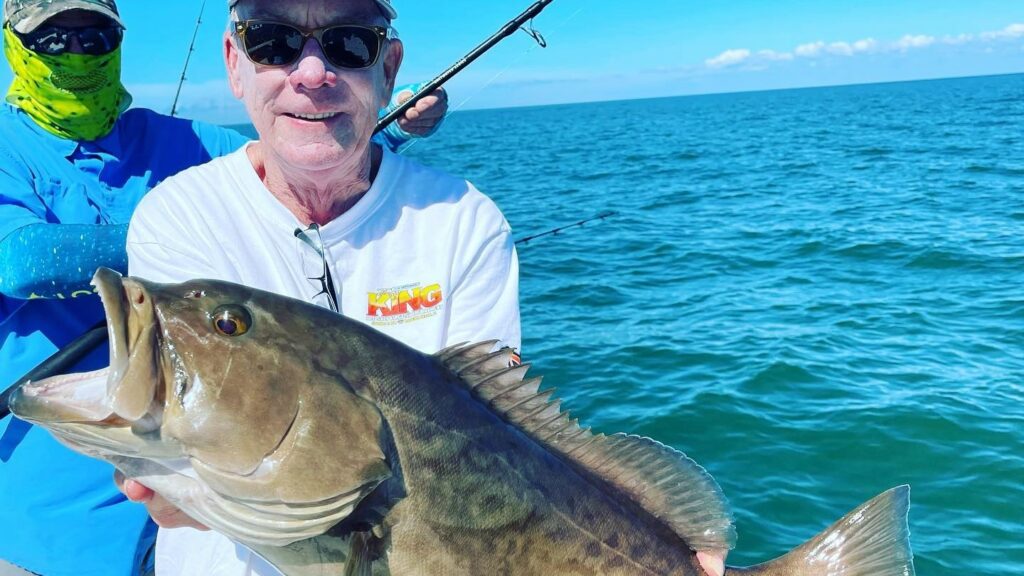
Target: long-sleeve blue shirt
{"type": "Point", "coordinates": [62, 514]}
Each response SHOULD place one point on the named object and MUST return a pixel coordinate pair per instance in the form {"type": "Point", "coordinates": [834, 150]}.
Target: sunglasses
{"type": "Point", "coordinates": [56, 40]}
{"type": "Point", "coordinates": [317, 269]}
{"type": "Point", "coordinates": [346, 46]}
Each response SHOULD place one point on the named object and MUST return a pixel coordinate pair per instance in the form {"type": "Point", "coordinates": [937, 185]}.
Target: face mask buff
{"type": "Point", "coordinates": [74, 96]}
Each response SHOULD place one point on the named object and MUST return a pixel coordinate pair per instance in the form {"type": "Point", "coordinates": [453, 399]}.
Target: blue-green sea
{"type": "Point", "coordinates": [817, 294]}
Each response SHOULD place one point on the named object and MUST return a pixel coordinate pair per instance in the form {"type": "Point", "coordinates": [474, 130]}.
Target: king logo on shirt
{"type": "Point", "coordinates": [404, 304]}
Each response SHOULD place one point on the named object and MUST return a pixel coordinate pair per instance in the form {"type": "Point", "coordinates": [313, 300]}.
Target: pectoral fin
{"type": "Point", "coordinates": [362, 554]}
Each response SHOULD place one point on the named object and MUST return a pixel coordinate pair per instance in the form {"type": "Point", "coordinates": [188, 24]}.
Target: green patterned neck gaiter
{"type": "Point", "coordinates": [74, 96]}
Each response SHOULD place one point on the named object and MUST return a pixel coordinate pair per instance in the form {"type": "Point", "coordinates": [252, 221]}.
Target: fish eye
{"type": "Point", "coordinates": [231, 320]}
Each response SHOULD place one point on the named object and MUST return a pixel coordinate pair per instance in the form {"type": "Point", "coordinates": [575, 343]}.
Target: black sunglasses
{"type": "Point", "coordinates": [346, 46]}
{"type": "Point", "coordinates": [56, 40]}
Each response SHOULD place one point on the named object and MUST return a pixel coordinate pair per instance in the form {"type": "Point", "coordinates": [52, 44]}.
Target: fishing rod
{"type": "Point", "coordinates": [59, 362]}
{"type": "Point", "coordinates": [510, 28]}
{"type": "Point", "coordinates": [188, 57]}
{"type": "Point", "coordinates": [581, 223]}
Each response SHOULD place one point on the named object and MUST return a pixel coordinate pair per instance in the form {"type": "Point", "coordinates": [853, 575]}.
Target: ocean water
{"type": "Point", "coordinates": [817, 294]}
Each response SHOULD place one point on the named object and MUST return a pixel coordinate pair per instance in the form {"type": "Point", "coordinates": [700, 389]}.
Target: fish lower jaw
{"type": "Point", "coordinates": [70, 398]}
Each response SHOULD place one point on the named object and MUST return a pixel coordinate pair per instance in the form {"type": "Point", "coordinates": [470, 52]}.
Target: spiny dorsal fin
{"type": "Point", "coordinates": [487, 364]}
{"type": "Point", "coordinates": [872, 540]}
{"type": "Point", "coordinates": [664, 481]}
{"type": "Point", "coordinates": [463, 354]}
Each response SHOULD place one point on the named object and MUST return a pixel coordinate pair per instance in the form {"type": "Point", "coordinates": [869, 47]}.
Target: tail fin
{"type": "Point", "coordinates": [873, 540]}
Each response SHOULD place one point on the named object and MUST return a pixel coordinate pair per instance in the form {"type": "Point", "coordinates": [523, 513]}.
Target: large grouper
{"type": "Point", "coordinates": [332, 449]}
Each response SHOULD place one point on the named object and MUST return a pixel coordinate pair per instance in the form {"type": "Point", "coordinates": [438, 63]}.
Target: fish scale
{"type": "Point", "coordinates": [540, 504]}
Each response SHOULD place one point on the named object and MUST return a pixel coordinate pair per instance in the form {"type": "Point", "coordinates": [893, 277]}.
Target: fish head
{"type": "Point", "coordinates": [220, 384]}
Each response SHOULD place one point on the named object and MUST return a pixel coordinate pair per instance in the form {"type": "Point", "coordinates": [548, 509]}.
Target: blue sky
{"type": "Point", "coordinates": [608, 50]}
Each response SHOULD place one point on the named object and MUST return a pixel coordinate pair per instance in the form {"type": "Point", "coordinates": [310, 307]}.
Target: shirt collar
{"type": "Point", "coordinates": [63, 146]}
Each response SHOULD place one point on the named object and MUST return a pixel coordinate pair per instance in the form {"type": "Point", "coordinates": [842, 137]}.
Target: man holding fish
{"type": "Point", "coordinates": [316, 211]}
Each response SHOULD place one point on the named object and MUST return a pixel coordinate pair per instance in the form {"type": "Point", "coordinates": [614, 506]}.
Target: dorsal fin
{"type": "Point", "coordinates": [663, 481]}
{"type": "Point", "coordinates": [462, 354]}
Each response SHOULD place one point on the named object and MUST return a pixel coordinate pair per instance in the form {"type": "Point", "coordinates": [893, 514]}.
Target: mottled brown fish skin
{"type": "Point", "coordinates": [483, 497]}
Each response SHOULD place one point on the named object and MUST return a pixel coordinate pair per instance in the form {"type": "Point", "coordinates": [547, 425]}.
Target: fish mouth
{"type": "Point", "coordinates": [121, 395]}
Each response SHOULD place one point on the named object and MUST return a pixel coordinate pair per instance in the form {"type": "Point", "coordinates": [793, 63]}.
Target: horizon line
{"type": "Point", "coordinates": [725, 93]}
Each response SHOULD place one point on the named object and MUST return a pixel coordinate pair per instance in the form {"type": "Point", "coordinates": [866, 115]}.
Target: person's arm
{"type": "Point", "coordinates": [159, 247]}
{"type": "Point", "coordinates": [40, 258]}
{"type": "Point", "coordinates": [58, 260]}
{"type": "Point", "coordinates": [485, 295]}
{"type": "Point", "coordinates": [420, 121]}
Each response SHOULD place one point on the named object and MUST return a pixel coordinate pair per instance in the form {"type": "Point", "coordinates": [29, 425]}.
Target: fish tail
{"type": "Point", "coordinates": [872, 540]}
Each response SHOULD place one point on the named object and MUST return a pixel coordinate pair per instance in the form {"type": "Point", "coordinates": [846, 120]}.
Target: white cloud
{"type": "Point", "coordinates": [958, 40]}
{"type": "Point", "coordinates": [773, 56]}
{"type": "Point", "coordinates": [840, 49]}
{"type": "Point", "coordinates": [1008, 33]}
{"type": "Point", "coordinates": [728, 58]}
{"type": "Point", "coordinates": [811, 51]}
{"type": "Point", "coordinates": [911, 41]}
{"type": "Point", "coordinates": [865, 45]}
{"type": "Point", "coordinates": [815, 49]}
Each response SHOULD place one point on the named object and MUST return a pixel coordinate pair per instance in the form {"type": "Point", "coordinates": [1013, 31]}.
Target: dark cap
{"type": "Point", "coordinates": [385, 6]}
{"type": "Point", "coordinates": [26, 15]}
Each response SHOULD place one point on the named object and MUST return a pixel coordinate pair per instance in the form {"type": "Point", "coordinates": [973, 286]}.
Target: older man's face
{"type": "Point", "coordinates": [281, 100]}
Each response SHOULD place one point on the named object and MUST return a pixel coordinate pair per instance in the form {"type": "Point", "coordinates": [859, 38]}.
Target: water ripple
{"type": "Point", "coordinates": [815, 293]}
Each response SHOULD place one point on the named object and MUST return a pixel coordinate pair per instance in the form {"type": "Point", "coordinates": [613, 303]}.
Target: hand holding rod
{"type": "Point", "coordinates": [506, 31]}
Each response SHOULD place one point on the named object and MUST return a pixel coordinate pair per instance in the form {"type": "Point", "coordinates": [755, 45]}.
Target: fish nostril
{"type": "Point", "coordinates": [135, 294]}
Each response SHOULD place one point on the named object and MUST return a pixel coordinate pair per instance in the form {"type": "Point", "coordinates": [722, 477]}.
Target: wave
{"type": "Point", "coordinates": [997, 170]}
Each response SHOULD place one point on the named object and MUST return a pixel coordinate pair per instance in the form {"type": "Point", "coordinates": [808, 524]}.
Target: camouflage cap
{"type": "Point", "coordinates": [385, 6]}
{"type": "Point", "coordinates": [26, 15]}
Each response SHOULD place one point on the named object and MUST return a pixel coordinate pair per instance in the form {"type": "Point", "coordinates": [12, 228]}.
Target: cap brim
{"type": "Point", "coordinates": [388, 10]}
{"type": "Point", "coordinates": [32, 22]}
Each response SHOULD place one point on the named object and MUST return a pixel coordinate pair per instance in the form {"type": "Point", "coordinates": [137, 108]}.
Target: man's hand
{"type": "Point", "coordinates": [713, 561]}
{"type": "Point", "coordinates": [421, 118]}
{"type": "Point", "coordinates": [165, 514]}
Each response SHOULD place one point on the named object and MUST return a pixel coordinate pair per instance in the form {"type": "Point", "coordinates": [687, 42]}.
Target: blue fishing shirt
{"type": "Point", "coordinates": [60, 513]}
